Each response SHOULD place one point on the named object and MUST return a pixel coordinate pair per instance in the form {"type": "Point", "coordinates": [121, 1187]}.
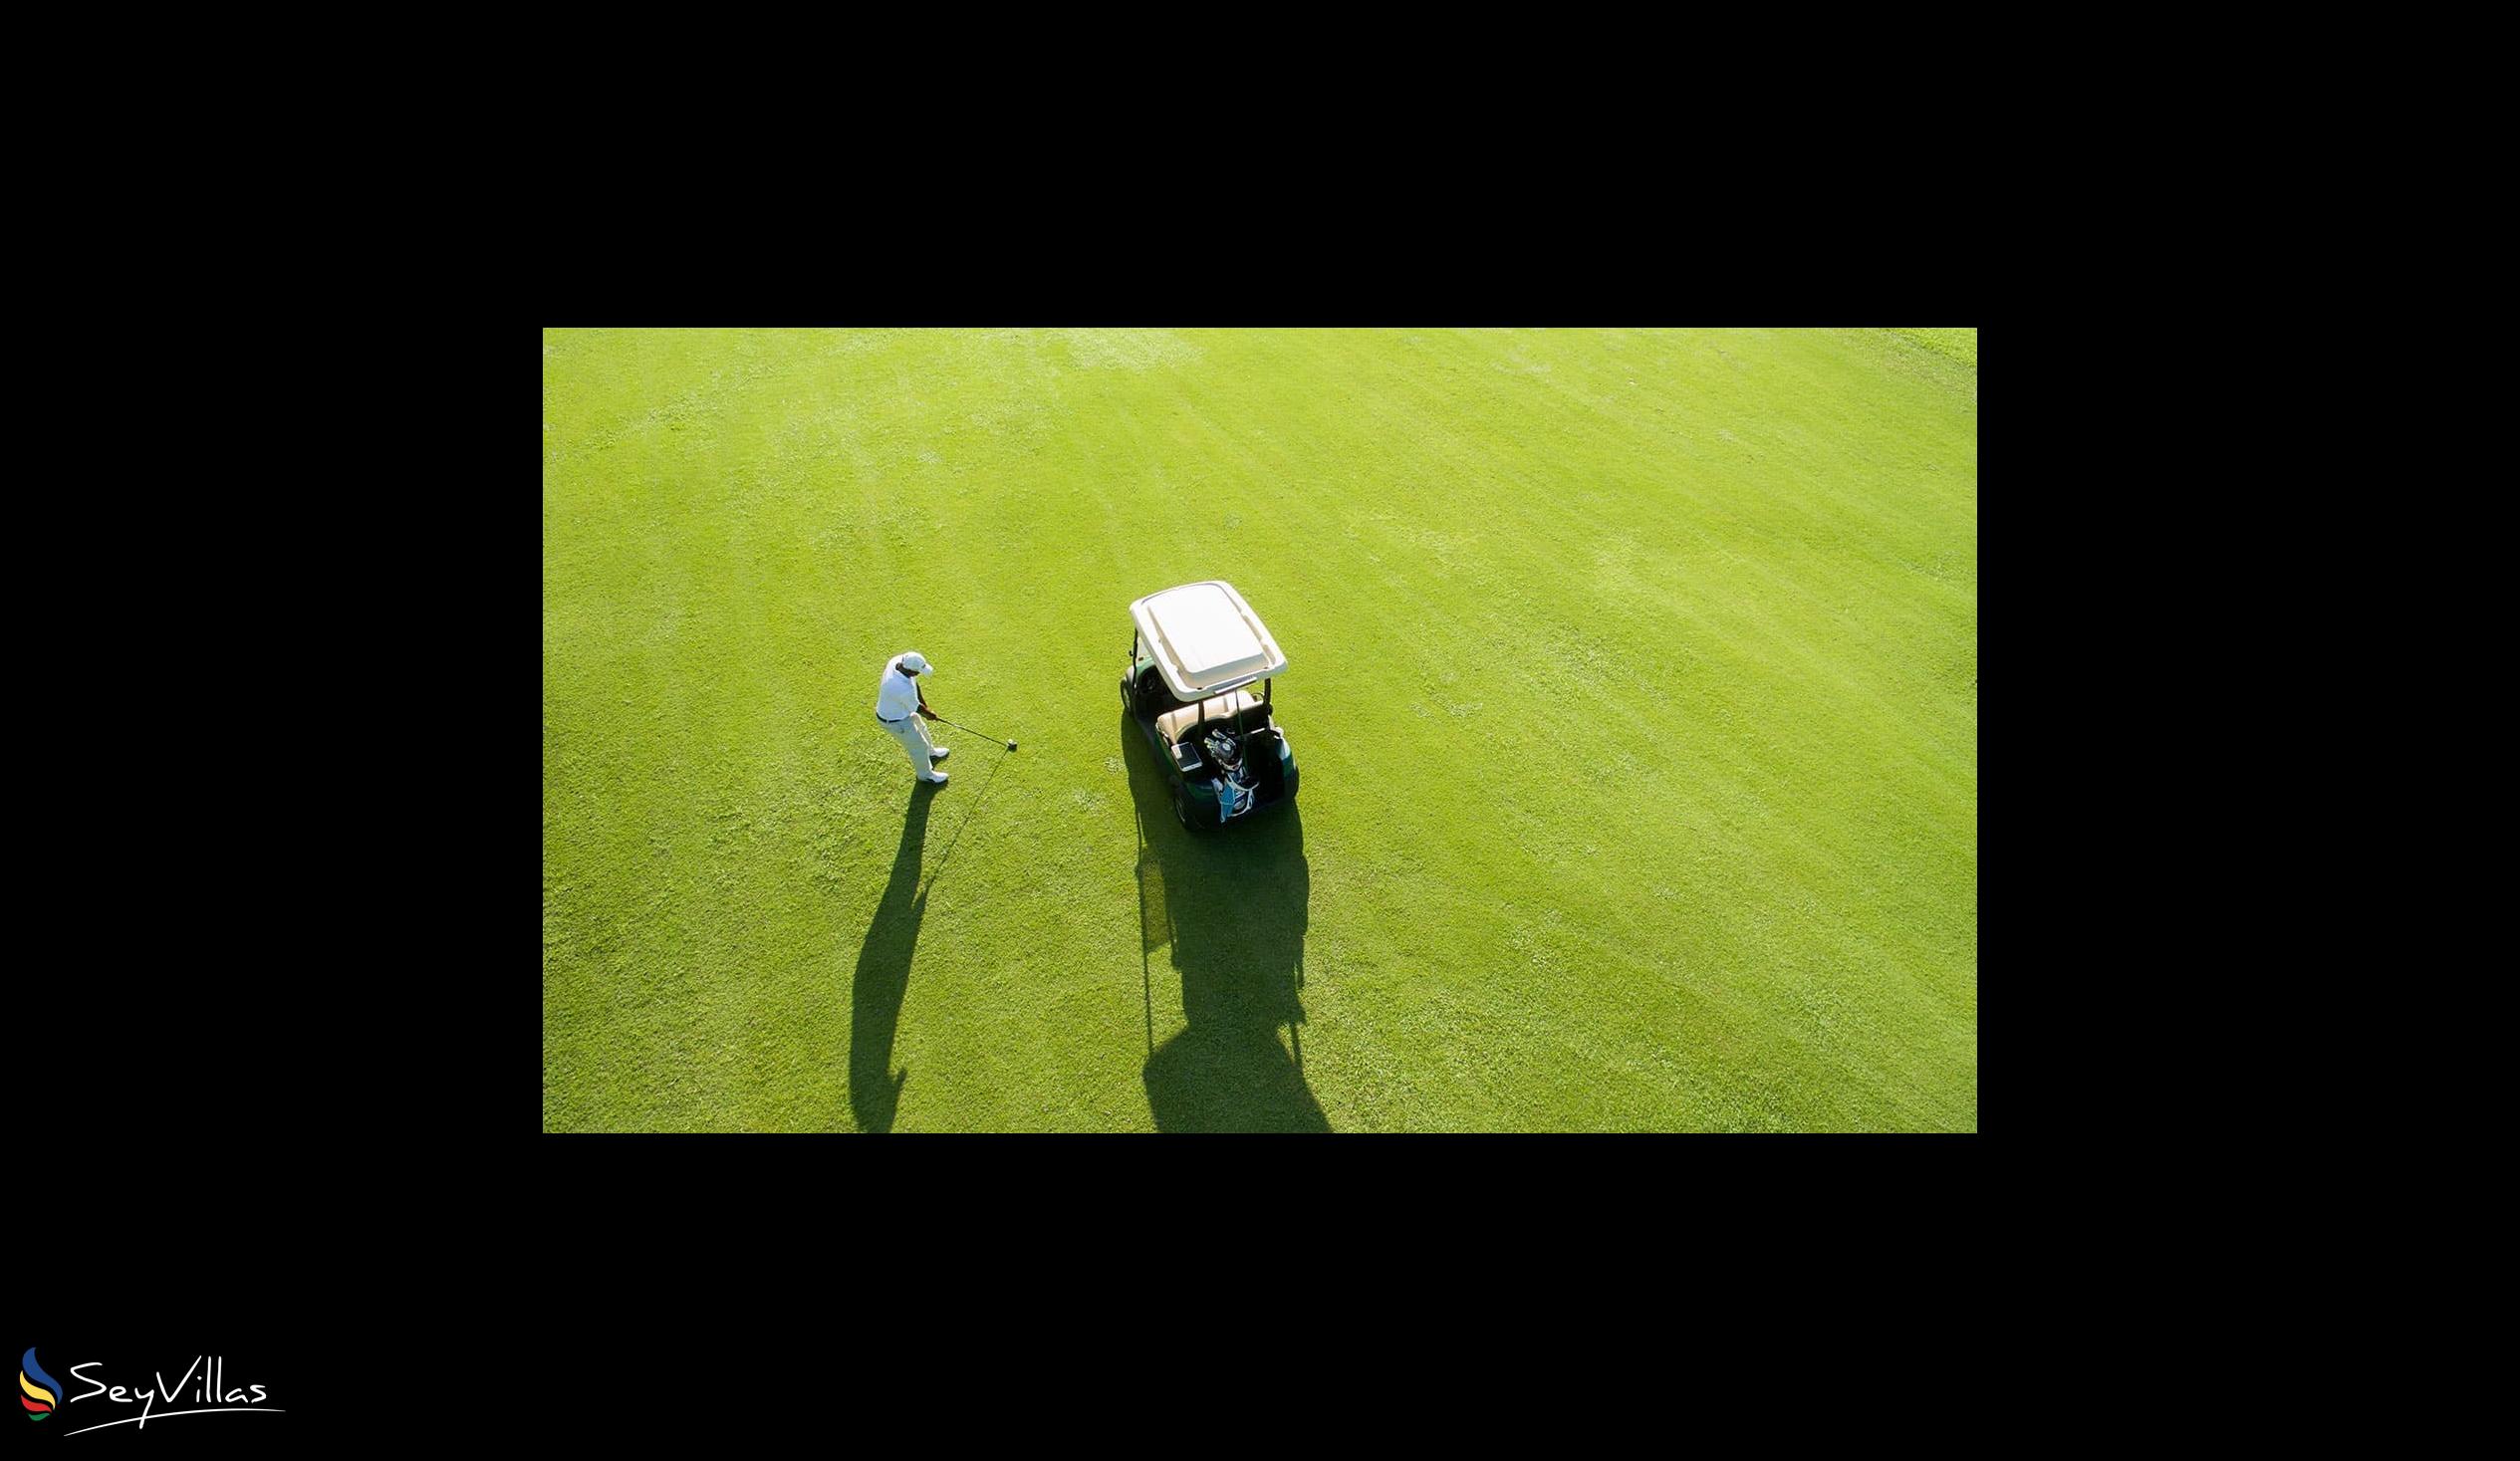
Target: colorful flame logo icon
{"type": "Point", "coordinates": [40, 1388]}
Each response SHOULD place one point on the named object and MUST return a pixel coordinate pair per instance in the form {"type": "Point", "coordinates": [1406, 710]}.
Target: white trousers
{"type": "Point", "coordinates": [911, 732]}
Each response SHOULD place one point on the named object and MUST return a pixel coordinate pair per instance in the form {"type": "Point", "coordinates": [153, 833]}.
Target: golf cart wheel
{"type": "Point", "coordinates": [1182, 812]}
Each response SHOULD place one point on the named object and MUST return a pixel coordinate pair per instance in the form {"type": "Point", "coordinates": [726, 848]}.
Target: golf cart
{"type": "Point", "coordinates": [1194, 651]}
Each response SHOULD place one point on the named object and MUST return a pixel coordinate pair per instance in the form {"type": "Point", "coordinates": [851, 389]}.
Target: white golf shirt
{"type": "Point", "coordinates": [898, 696]}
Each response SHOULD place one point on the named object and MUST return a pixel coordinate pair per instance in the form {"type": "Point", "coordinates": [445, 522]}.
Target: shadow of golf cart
{"type": "Point", "coordinates": [1227, 916]}
{"type": "Point", "coordinates": [1194, 653]}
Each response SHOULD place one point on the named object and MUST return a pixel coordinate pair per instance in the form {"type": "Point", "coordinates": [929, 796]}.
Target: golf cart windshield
{"type": "Point", "coordinates": [1206, 639]}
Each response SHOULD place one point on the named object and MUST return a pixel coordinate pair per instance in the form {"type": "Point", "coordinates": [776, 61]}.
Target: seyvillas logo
{"type": "Point", "coordinates": [205, 1383]}
{"type": "Point", "coordinates": [40, 1388]}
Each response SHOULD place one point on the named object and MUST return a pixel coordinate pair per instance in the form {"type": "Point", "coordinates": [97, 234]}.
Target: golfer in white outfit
{"type": "Point", "coordinates": [899, 705]}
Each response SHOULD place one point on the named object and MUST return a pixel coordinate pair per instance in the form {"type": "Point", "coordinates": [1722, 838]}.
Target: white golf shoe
{"type": "Point", "coordinates": [936, 756]}
{"type": "Point", "coordinates": [935, 781]}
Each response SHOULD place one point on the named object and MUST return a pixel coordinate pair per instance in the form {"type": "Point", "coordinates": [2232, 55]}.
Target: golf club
{"type": "Point", "coordinates": [984, 735]}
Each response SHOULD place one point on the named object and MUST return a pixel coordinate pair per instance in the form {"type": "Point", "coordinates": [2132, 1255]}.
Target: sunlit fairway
{"type": "Point", "coordinates": [1632, 679]}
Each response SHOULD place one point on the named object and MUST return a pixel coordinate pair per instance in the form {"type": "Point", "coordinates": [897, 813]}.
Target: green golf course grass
{"type": "Point", "coordinates": [1632, 680]}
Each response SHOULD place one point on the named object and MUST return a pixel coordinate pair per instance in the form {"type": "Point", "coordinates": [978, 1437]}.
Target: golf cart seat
{"type": "Point", "coordinates": [1181, 722]}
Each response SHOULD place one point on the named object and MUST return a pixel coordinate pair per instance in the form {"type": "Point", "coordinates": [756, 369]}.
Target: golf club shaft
{"type": "Point", "coordinates": [957, 725]}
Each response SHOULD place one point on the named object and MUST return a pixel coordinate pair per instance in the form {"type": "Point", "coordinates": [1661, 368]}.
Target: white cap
{"type": "Point", "coordinates": [914, 662]}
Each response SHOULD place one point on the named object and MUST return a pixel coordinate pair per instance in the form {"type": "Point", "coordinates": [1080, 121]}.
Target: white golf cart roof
{"type": "Point", "coordinates": [1206, 639]}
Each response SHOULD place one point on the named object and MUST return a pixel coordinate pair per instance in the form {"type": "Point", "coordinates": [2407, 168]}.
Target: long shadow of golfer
{"type": "Point", "coordinates": [883, 960]}
{"type": "Point", "coordinates": [1232, 905]}
{"type": "Point", "coordinates": [883, 976]}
